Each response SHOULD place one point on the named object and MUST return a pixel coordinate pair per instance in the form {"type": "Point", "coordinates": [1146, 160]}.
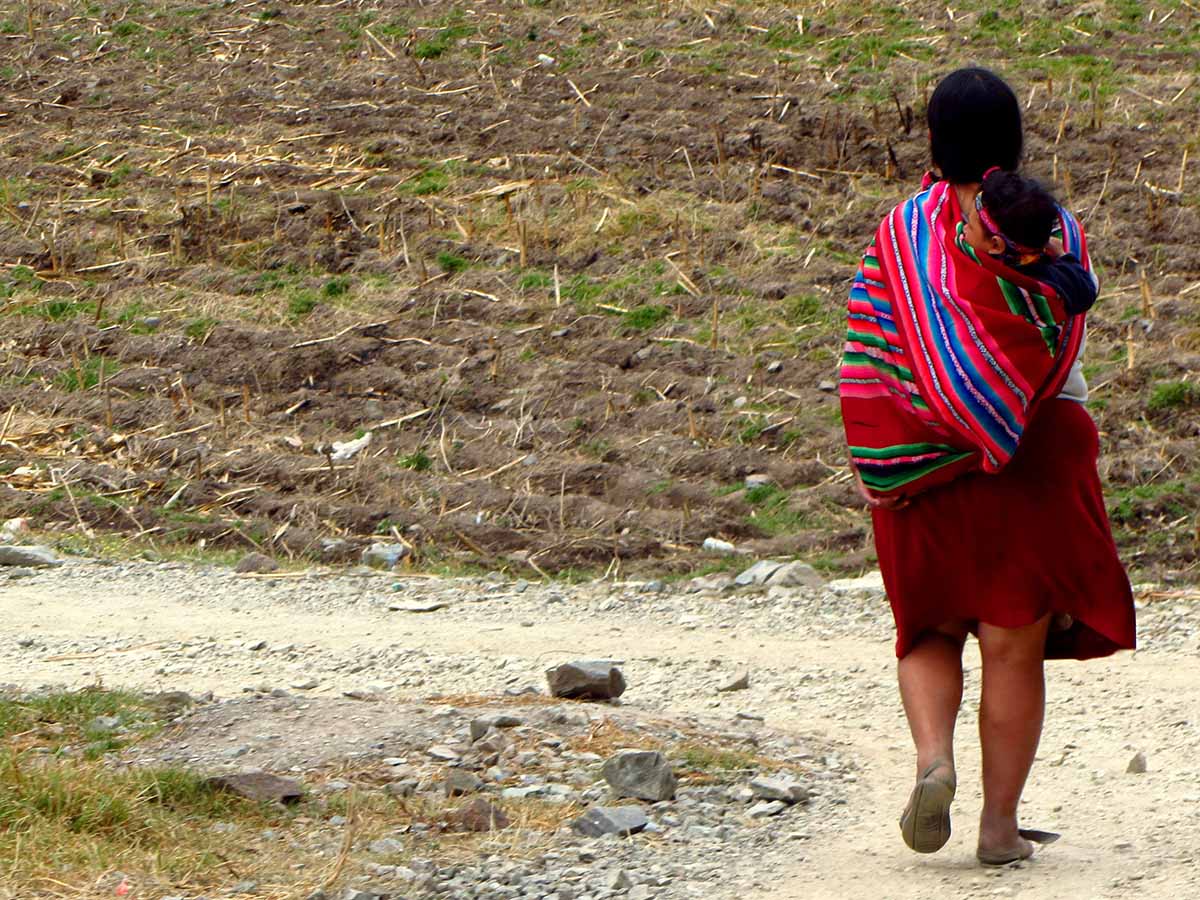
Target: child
{"type": "Point", "coordinates": [1013, 219]}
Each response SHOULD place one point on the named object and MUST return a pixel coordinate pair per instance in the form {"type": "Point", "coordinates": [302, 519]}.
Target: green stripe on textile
{"type": "Point", "coordinates": [908, 475]}
{"type": "Point", "coordinates": [866, 359]}
{"type": "Point", "coordinates": [900, 450]}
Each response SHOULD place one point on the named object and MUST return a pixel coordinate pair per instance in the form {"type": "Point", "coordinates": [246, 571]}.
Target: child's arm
{"type": "Point", "coordinates": [1070, 280]}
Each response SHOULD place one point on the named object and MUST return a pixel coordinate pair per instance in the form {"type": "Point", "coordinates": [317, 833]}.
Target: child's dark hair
{"type": "Point", "coordinates": [1025, 211]}
{"type": "Point", "coordinates": [974, 123]}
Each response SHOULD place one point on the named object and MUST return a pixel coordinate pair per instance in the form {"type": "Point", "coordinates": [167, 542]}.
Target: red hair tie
{"type": "Point", "coordinates": [989, 172]}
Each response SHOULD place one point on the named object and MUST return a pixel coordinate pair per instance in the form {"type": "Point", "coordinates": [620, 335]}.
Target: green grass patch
{"type": "Point", "coordinates": [200, 327]}
{"type": "Point", "coordinates": [643, 318]}
{"type": "Point", "coordinates": [1173, 395]}
{"type": "Point", "coordinates": [87, 374]}
{"type": "Point", "coordinates": [417, 462]}
{"type": "Point", "coordinates": [451, 264]}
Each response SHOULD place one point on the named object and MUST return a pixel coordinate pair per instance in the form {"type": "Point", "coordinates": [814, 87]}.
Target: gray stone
{"type": "Point", "coordinates": [405, 788]}
{"type": "Point", "coordinates": [104, 724]}
{"type": "Point", "coordinates": [740, 683]}
{"type": "Point", "coordinates": [386, 847]}
{"type": "Point", "coordinates": [256, 562]}
{"type": "Point", "coordinates": [716, 545]}
{"type": "Point", "coordinates": [356, 894]}
{"type": "Point", "coordinates": [766, 809]}
{"type": "Point", "coordinates": [244, 887]}
{"type": "Point", "coordinates": [774, 366]}
{"type": "Point", "coordinates": [483, 724]}
{"type": "Point", "coordinates": [758, 573]}
{"type": "Point", "coordinates": [785, 790]}
{"type": "Point", "coordinates": [639, 892]}
{"type": "Point", "coordinates": [444, 753]}
{"type": "Point", "coordinates": [601, 820]}
{"type": "Point", "coordinates": [618, 881]}
{"type": "Point", "coordinates": [641, 774]}
{"type": "Point", "coordinates": [717, 581]}
{"type": "Point", "coordinates": [31, 557]}
{"type": "Point", "coordinates": [478, 816]}
{"type": "Point", "coordinates": [384, 556]}
{"type": "Point", "coordinates": [758, 479]}
{"type": "Point", "coordinates": [460, 781]}
{"type": "Point", "coordinates": [1137, 765]}
{"type": "Point", "coordinates": [796, 574]}
{"type": "Point", "coordinates": [259, 786]}
{"type": "Point", "coordinates": [871, 583]}
{"type": "Point", "coordinates": [827, 385]}
{"type": "Point", "coordinates": [586, 679]}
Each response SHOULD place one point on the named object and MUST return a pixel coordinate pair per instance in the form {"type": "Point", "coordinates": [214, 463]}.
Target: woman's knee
{"type": "Point", "coordinates": [1013, 646]}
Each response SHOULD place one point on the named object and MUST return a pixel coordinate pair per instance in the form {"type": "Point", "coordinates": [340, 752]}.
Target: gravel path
{"type": "Point", "coordinates": [822, 669]}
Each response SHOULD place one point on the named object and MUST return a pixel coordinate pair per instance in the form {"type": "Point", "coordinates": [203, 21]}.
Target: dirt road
{"type": "Point", "coordinates": [829, 678]}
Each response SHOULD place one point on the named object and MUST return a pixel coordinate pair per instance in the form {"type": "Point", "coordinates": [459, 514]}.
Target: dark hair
{"type": "Point", "coordinates": [974, 123]}
{"type": "Point", "coordinates": [1024, 210]}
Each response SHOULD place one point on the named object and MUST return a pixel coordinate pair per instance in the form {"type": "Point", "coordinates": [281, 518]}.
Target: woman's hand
{"type": "Point", "coordinates": [873, 500]}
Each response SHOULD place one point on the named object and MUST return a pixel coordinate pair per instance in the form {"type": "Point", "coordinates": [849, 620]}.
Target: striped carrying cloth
{"type": "Point", "coordinates": [947, 354]}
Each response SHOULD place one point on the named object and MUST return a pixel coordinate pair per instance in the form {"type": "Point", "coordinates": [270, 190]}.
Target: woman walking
{"type": "Point", "coordinates": [962, 401]}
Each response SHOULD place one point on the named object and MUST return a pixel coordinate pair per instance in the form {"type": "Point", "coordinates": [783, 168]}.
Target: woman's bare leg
{"type": "Point", "coordinates": [1011, 710]}
{"type": "Point", "coordinates": [931, 686]}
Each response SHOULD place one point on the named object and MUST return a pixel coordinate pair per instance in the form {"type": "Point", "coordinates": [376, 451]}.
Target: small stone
{"type": "Point", "coordinates": [653, 586]}
{"type": "Point", "coordinates": [478, 816]}
{"type": "Point", "coordinates": [405, 788]}
{"type": "Point", "coordinates": [244, 887]}
{"type": "Point", "coordinates": [796, 574]}
{"type": "Point", "coordinates": [871, 583]}
{"type": "Point", "coordinates": [460, 781]}
{"type": "Point", "coordinates": [259, 786]}
{"type": "Point", "coordinates": [306, 685]}
{"type": "Point", "coordinates": [386, 847]}
{"type": "Point", "coordinates": [758, 573]}
{"type": "Point", "coordinates": [586, 679]}
{"type": "Point", "coordinates": [255, 646]}
{"type": "Point", "coordinates": [639, 892]}
{"type": "Point", "coordinates": [255, 563]}
{"type": "Point", "coordinates": [827, 386]}
{"type": "Point", "coordinates": [427, 607]}
{"type": "Point", "coordinates": [782, 789]}
{"type": "Point", "coordinates": [618, 881]}
{"type": "Point", "coordinates": [1137, 765]}
{"type": "Point", "coordinates": [641, 774]}
{"type": "Point", "coordinates": [774, 366]}
{"type": "Point", "coordinates": [716, 545]}
{"type": "Point", "coordinates": [758, 479]}
{"type": "Point", "coordinates": [767, 809]}
{"type": "Point", "coordinates": [482, 725]}
{"type": "Point", "coordinates": [104, 724]}
{"type": "Point", "coordinates": [31, 557]}
{"type": "Point", "coordinates": [740, 683]}
{"type": "Point", "coordinates": [384, 556]}
{"type": "Point", "coordinates": [444, 753]}
{"type": "Point", "coordinates": [602, 820]}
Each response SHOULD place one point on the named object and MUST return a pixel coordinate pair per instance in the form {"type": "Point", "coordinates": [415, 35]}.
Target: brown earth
{"type": "Point", "coordinates": [235, 234]}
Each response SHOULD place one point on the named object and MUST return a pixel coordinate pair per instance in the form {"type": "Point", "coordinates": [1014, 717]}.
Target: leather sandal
{"type": "Point", "coordinates": [925, 823]}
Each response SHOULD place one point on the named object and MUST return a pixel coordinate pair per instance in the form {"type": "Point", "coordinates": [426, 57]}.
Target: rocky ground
{"type": "Point", "coordinates": [370, 682]}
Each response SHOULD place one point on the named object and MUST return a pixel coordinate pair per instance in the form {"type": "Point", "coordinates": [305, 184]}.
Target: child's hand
{"type": "Point", "coordinates": [1054, 248]}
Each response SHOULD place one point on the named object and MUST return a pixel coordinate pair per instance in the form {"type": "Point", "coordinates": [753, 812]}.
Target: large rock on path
{"type": "Point", "coordinates": [586, 680]}
{"type": "Point", "coordinates": [641, 774]}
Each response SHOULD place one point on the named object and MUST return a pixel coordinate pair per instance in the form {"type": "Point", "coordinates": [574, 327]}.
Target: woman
{"type": "Point", "coordinates": [962, 401]}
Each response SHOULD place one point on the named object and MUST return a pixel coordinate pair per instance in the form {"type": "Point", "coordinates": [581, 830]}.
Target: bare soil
{"type": "Point", "coordinates": [234, 234]}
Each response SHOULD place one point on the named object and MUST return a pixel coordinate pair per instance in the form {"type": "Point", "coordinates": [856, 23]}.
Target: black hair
{"type": "Point", "coordinates": [1025, 211]}
{"type": "Point", "coordinates": [974, 123]}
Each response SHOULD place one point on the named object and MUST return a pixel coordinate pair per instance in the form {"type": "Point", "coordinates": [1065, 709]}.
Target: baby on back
{"type": "Point", "coordinates": [1013, 220]}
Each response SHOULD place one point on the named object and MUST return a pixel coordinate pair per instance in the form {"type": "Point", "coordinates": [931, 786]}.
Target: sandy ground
{"type": "Point", "coordinates": [1122, 833]}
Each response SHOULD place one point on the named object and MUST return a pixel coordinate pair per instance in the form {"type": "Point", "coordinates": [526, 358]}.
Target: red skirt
{"type": "Point", "coordinates": [1007, 549]}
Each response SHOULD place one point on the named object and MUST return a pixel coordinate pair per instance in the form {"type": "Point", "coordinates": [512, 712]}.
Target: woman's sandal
{"type": "Point", "coordinates": [925, 823]}
{"type": "Point", "coordinates": [1031, 835]}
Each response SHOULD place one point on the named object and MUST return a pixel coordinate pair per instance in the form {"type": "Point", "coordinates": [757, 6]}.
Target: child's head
{"type": "Point", "coordinates": [1013, 216]}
